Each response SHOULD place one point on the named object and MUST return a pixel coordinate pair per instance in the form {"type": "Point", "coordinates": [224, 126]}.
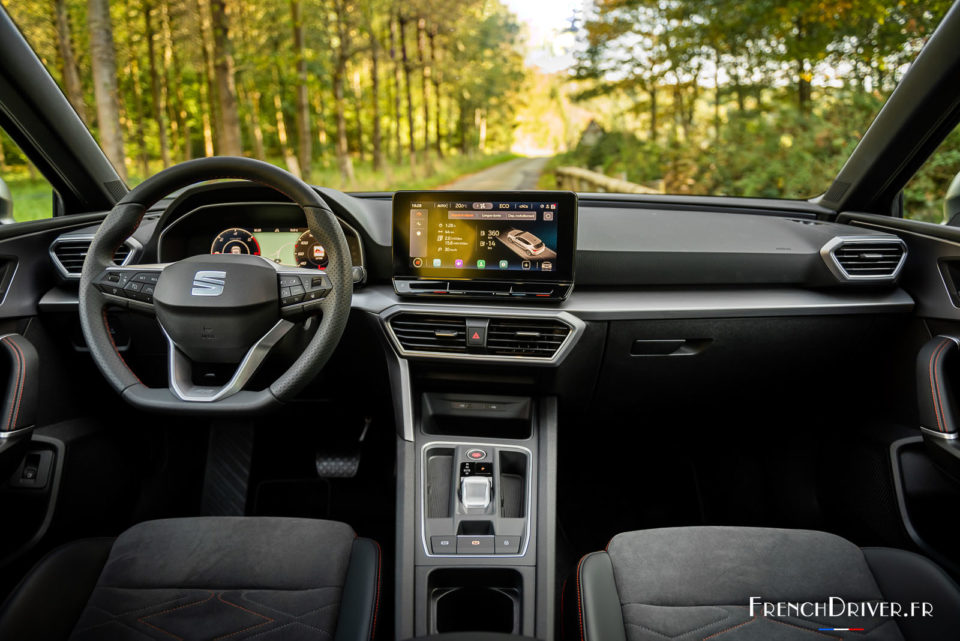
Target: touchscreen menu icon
{"type": "Point", "coordinates": [418, 232]}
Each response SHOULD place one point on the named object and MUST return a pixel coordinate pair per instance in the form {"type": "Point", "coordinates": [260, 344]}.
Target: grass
{"type": "Point", "coordinates": [32, 198]}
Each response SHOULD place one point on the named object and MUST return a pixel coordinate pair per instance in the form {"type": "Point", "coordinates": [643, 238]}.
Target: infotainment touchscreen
{"type": "Point", "coordinates": [510, 236]}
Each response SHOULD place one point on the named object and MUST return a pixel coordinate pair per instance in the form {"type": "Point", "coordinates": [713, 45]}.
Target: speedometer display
{"type": "Point", "coordinates": [235, 241]}
{"type": "Point", "coordinates": [310, 253]}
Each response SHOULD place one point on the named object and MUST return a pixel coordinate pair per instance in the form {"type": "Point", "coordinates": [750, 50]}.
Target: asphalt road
{"type": "Point", "coordinates": [519, 173]}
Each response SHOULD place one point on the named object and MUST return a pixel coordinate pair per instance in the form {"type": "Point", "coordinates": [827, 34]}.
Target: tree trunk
{"type": "Point", "coordinates": [716, 96]}
{"type": "Point", "coordinates": [424, 85]}
{"type": "Point", "coordinates": [304, 135]}
{"type": "Point", "coordinates": [803, 87]}
{"type": "Point", "coordinates": [375, 99]}
{"type": "Point", "coordinates": [156, 93]}
{"type": "Point", "coordinates": [208, 102]}
{"type": "Point", "coordinates": [398, 144]}
{"type": "Point", "coordinates": [137, 122]}
{"type": "Point", "coordinates": [176, 112]}
{"type": "Point", "coordinates": [229, 139]}
{"type": "Point", "coordinates": [653, 111]}
{"type": "Point", "coordinates": [408, 88]}
{"type": "Point", "coordinates": [344, 163]}
{"type": "Point", "coordinates": [104, 64]}
{"type": "Point", "coordinates": [288, 156]}
{"type": "Point", "coordinates": [71, 76]}
{"type": "Point", "coordinates": [357, 93]}
{"type": "Point", "coordinates": [252, 99]}
{"type": "Point", "coordinates": [321, 126]}
{"type": "Point", "coordinates": [435, 76]}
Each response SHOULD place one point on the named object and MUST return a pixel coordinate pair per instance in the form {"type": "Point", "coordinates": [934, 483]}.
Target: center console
{"type": "Point", "coordinates": [471, 369]}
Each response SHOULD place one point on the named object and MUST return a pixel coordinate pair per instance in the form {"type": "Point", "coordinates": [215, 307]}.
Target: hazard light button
{"type": "Point", "coordinates": [476, 332]}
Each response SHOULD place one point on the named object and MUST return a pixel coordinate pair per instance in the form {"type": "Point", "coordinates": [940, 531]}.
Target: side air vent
{"type": "Point", "coordinates": [69, 253]}
{"type": "Point", "coordinates": [422, 333]}
{"type": "Point", "coordinates": [867, 258]}
{"type": "Point", "coordinates": [538, 338]}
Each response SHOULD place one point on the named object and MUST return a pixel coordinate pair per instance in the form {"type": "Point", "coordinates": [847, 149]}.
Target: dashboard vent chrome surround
{"type": "Point", "coordinates": [526, 337]}
{"type": "Point", "coordinates": [70, 250]}
{"type": "Point", "coordinates": [865, 258]}
{"type": "Point", "coordinates": [425, 333]}
{"type": "Point", "coordinates": [522, 337]}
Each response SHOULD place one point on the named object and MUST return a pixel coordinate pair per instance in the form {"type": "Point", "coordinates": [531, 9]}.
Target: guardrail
{"type": "Point", "coordinates": [579, 179]}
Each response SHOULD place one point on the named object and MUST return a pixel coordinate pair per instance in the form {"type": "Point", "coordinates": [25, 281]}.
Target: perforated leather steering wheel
{"type": "Point", "coordinates": [216, 308]}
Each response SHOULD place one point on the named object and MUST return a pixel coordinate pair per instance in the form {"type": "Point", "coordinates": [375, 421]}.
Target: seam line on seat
{"type": "Point", "coordinates": [739, 625]}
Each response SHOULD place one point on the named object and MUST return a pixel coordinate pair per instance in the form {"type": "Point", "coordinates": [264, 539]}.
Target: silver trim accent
{"type": "Point", "coordinates": [131, 242]}
{"type": "Point", "coordinates": [827, 253]}
{"type": "Point", "coordinates": [135, 249]}
{"type": "Point", "coordinates": [575, 325]}
{"type": "Point", "coordinates": [11, 438]}
{"type": "Point", "coordinates": [346, 225]}
{"type": "Point", "coordinates": [528, 531]}
{"type": "Point", "coordinates": [181, 383]}
{"type": "Point", "coordinates": [946, 436]}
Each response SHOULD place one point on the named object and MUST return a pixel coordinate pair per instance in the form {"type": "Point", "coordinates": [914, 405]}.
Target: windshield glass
{"type": "Point", "coordinates": [761, 99]}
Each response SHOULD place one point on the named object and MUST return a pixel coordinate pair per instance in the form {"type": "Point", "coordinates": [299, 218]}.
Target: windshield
{"type": "Point", "coordinates": [762, 99]}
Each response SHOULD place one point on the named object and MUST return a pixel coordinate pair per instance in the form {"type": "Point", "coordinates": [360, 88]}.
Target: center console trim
{"type": "Point", "coordinates": [528, 533]}
{"type": "Point", "coordinates": [575, 325]}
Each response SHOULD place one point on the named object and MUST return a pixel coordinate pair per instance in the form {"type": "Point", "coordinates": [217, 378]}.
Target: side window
{"type": "Point", "coordinates": [933, 194]}
{"type": "Point", "coordinates": [24, 193]}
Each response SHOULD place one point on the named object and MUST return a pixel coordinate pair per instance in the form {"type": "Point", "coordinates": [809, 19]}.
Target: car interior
{"type": "Point", "coordinates": [239, 406]}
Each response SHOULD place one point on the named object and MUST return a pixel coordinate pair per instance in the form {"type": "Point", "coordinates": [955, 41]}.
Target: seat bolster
{"type": "Point", "coordinates": [360, 602]}
{"type": "Point", "coordinates": [906, 577]}
{"type": "Point", "coordinates": [49, 599]}
{"type": "Point", "coordinates": [598, 603]}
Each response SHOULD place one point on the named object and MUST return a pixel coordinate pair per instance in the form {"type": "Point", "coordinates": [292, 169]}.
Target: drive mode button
{"type": "Point", "coordinates": [443, 544]}
{"type": "Point", "coordinates": [474, 545]}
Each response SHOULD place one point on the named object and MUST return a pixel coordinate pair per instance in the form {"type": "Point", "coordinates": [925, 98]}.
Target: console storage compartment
{"type": "Point", "coordinates": [474, 600]}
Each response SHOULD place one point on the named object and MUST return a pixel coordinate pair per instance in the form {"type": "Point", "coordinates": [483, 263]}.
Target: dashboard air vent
{"type": "Point", "coordinates": [866, 259]}
{"type": "Point", "coordinates": [525, 337]}
{"type": "Point", "coordinates": [424, 333]}
{"type": "Point", "coordinates": [69, 254]}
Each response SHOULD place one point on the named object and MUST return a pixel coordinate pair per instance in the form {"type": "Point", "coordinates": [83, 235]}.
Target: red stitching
{"type": "Point", "coordinates": [933, 389]}
{"type": "Point", "coordinates": [799, 627]}
{"type": "Point", "coordinates": [143, 619]}
{"type": "Point", "coordinates": [579, 601]}
{"type": "Point", "coordinates": [940, 352]}
{"type": "Point", "coordinates": [739, 625]}
{"type": "Point", "coordinates": [18, 389]}
{"type": "Point", "coordinates": [563, 627]}
{"type": "Point", "coordinates": [247, 629]}
{"type": "Point", "coordinates": [376, 605]}
{"type": "Point", "coordinates": [106, 322]}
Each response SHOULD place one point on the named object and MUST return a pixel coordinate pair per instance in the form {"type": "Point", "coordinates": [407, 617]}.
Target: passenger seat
{"type": "Point", "coordinates": [699, 583]}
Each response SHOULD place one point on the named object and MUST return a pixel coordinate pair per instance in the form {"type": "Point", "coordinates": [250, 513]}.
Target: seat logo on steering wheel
{"type": "Point", "coordinates": [208, 283]}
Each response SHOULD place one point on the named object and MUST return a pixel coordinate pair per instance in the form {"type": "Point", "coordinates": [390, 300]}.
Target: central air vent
{"type": "Point", "coordinates": [69, 254]}
{"type": "Point", "coordinates": [423, 333]}
{"type": "Point", "coordinates": [534, 337]}
{"type": "Point", "coordinates": [859, 259]}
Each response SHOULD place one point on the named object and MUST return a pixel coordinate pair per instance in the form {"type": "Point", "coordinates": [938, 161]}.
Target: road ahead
{"type": "Point", "coordinates": [520, 173]}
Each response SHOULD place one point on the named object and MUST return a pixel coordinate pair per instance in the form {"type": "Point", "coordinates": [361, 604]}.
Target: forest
{"type": "Point", "coordinates": [334, 90]}
{"type": "Point", "coordinates": [766, 98]}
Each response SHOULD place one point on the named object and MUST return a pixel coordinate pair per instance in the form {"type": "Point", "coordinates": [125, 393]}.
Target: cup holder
{"type": "Point", "coordinates": [474, 600]}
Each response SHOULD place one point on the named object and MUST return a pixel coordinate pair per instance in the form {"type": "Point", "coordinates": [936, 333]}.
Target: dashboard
{"type": "Point", "coordinates": [275, 231]}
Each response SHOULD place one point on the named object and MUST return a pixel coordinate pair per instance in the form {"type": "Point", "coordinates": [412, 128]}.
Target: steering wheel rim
{"type": "Point", "coordinates": [124, 219]}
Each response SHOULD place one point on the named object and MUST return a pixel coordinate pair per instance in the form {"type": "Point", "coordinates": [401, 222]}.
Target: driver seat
{"type": "Point", "coordinates": [229, 578]}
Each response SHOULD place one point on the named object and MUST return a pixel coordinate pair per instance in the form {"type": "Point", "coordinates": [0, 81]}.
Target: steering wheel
{"type": "Point", "coordinates": [223, 308]}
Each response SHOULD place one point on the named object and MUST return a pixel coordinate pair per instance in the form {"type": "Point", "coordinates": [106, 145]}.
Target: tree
{"type": "Point", "coordinates": [103, 62]}
{"type": "Point", "coordinates": [228, 139]}
{"type": "Point", "coordinates": [304, 135]}
{"type": "Point", "coordinates": [68, 60]}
